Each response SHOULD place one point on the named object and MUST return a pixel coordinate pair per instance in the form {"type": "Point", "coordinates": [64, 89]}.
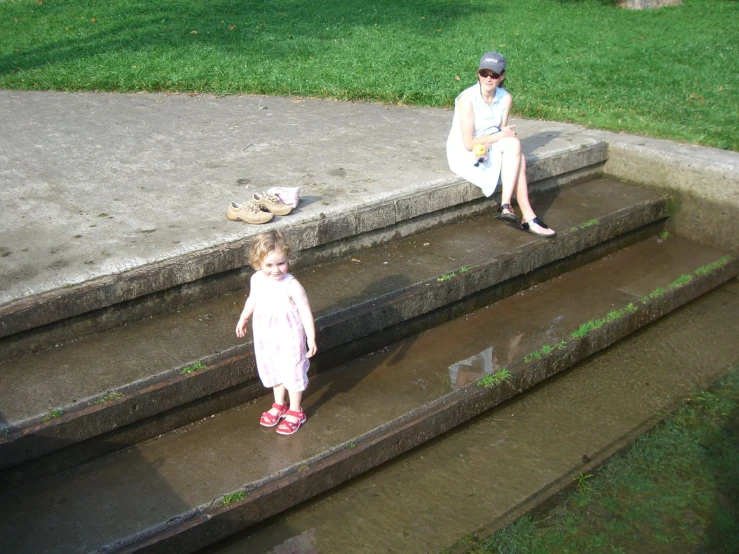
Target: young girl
{"type": "Point", "coordinates": [282, 323]}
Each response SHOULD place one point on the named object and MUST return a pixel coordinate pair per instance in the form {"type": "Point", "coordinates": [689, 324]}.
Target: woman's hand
{"type": "Point", "coordinates": [508, 131]}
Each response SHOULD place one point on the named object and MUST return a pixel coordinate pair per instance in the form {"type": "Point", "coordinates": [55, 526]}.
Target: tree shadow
{"type": "Point", "coordinates": [722, 532]}
{"type": "Point", "coordinates": [233, 30]}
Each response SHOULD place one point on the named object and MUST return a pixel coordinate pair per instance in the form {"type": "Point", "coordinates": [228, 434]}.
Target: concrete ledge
{"type": "Point", "coordinates": [704, 183]}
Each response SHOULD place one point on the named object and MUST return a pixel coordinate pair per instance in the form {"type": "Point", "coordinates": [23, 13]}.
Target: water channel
{"type": "Point", "coordinates": [507, 460]}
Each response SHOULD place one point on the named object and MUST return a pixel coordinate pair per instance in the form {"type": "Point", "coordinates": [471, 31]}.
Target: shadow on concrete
{"type": "Point", "coordinates": [75, 522]}
{"type": "Point", "coordinates": [541, 202]}
{"type": "Point", "coordinates": [306, 201]}
{"type": "Point", "coordinates": [4, 427]}
{"type": "Point", "coordinates": [373, 343]}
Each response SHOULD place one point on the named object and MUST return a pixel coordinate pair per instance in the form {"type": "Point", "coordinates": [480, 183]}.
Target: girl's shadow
{"type": "Point", "coordinates": [328, 370]}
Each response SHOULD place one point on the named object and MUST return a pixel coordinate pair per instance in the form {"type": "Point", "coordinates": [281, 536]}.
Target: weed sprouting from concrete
{"type": "Point", "coordinates": [233, 497]}
{"type": "Point", "coordinates": [53, 414]}
{"type": "Point", "coordinates": [680, 281]}
{"type": "Point", "coordinates": [453, 274]}
{"type": "Point", "coordinates": [594, 324]}
{"type": "Point", "coordinates": [107, 398]}
{"type": "Point", "coordinates": [587, 327]}
{"type": "Point", "coordinates": [703, 270]}
{"type": "Point", "coordinates": [544, 351]}
{"type": "Point", "coordinates": [585, 225]}
{"type": "Point", "coordinates": [187, 370]}
{"type": "Point", "coordinates": [493, 379]}
{"type": "Point", "coordinates": [352, 445]}
{"type": "Point", "coordinates": [664, 235]}
{"type": "Point", "coordinates": [709, 268]}
{"type": "Point", "coordinates": [656, 293]}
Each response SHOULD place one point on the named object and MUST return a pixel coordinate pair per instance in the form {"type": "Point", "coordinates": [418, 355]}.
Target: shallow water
{"type": "Point", "coordinates": [475, 475]}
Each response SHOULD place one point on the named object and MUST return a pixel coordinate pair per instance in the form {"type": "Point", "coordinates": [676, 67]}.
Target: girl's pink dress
{"type": "Point", "coordinates": [279, 337]}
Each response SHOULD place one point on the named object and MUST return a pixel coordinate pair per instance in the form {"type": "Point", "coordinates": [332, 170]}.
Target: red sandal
{"type": "Point", "coordinates": [289, 427]}
{"type": "Point", "coordinates": [269, 420]}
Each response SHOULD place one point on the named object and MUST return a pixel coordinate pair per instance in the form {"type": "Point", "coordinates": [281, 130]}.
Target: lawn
{"type": "Point", "coordinates": [663, 73]}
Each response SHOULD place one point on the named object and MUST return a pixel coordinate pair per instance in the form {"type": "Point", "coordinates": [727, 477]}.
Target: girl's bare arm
{"type": "Point", "coordinates": [297, 294]}
{"type": "Point", "coordinates": [245, 315]}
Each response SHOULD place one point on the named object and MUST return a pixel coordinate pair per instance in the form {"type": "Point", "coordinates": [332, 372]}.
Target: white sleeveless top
{"type": "Point", "coordinates": [488, 120]}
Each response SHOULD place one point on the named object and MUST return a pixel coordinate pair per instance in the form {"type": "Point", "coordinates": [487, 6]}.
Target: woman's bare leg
{"type": "Point", "coordinates": [510, 168]}
{"type": "Point", "coordinates": [517, 183]}
{"type": "Point", "coordinates": [522, 193]}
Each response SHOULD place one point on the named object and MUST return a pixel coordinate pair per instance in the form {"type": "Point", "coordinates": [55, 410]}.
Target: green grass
{"type": "Point", "coordinates": [664, 73]}
{"type": "Point", "coordinates": [229, 499]}
{"type": "Point", "coordinates": [53, 414]}
{"type": "Point", "coordinates": [675, 485]}
{"type": "Point", "coordinates": [585, 225]}
{"type": "Point", "coordinates": [594, 324]}
{"type": "Point", "coordinates": [192, 368]}
{"type": "Point", "coordinates": [108, 398]}
{"type": "Point", "coordinates": [489, 381]}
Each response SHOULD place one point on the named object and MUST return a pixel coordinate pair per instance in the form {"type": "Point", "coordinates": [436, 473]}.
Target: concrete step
{"type": "Point", "coordinates": [41, 305]}
{"type": "Point", "coordinates": [472, 481]}
{"type": "Point", "coordinates": [204, 482]}
{"type": "Point", "coordinates": [154, 375]}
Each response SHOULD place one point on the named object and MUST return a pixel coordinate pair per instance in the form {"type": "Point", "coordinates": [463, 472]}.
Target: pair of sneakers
{"type": "Point", "coordinates": [261, 208]}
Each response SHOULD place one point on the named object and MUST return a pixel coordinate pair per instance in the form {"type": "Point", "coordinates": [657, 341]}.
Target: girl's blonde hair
{"type": "Point", "coordinates": [267, 242]}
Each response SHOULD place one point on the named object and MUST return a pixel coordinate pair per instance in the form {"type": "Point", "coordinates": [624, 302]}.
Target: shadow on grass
{"type": "Point", "coordinates": [237, 31]}
{"type": "Point", "coordinates": [722, 454]}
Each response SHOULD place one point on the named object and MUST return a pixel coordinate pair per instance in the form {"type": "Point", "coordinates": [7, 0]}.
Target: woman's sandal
{"type": "Point", "coordinates": [536, 226]}
{"type": "Point", "coordinates": [270, 420]}
{"type": "Point", "coordinates": [289, 427]}
{"type": "Point", "coordinates": [510, 217]}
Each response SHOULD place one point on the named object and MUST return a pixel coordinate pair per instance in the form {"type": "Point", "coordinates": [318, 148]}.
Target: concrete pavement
{"type": "Point", "coordinates": [100, 184]}
{"type": "Point", "coordinates": [96, 186]}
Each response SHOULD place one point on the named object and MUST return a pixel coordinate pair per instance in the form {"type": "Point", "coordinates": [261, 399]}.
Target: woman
{"type": "Point", "coordinates": [481, 118]}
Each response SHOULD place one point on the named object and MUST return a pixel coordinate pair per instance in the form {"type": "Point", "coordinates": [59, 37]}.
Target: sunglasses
{"type": "Point", "coordinates": [486, 73]}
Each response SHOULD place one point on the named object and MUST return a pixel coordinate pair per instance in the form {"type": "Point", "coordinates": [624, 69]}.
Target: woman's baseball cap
{"type": "Point", "coordinates": [493, 61]}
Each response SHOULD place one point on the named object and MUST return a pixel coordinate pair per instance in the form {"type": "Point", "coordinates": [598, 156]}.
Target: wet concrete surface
{"type": "Point", "coordinates": [482, 472]}
{"type": "Point", "coordinates": [123, 494]}
{"type": "Point", "coordinates": [130, 357]}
